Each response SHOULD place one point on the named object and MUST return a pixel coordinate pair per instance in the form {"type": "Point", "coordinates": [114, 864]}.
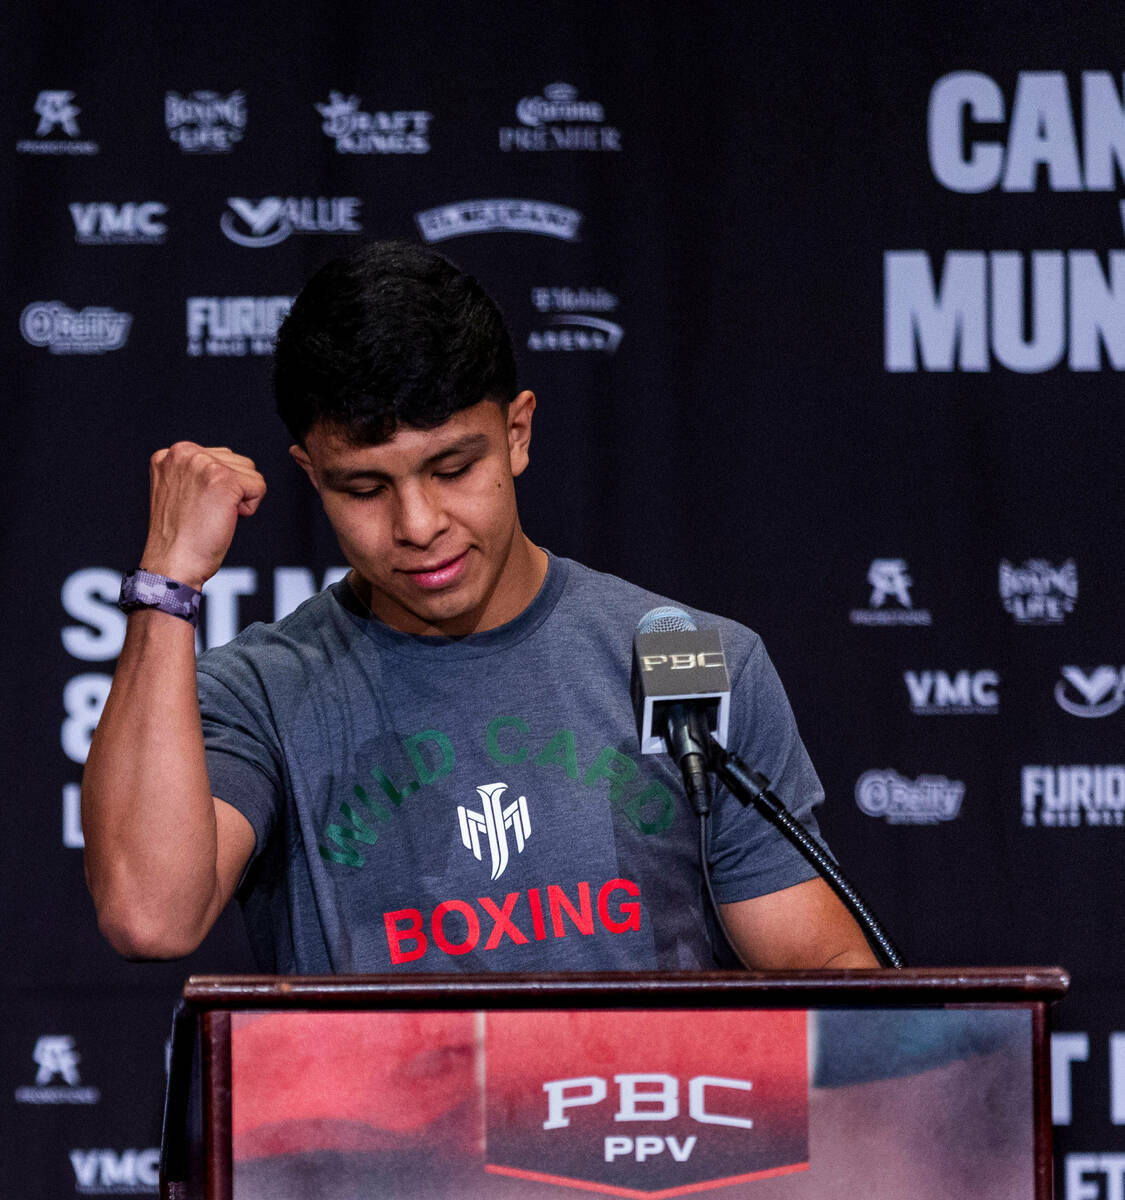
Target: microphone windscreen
{"type": "Point", "coordinates": [666, 619]}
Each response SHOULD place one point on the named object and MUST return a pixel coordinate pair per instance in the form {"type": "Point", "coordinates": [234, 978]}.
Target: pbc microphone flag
{"type": "Point", "coordinates": [675, 661]}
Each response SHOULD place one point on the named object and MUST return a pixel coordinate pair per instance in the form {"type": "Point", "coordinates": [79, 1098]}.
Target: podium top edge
{"type": "Point", "coordinates": [718, 989]}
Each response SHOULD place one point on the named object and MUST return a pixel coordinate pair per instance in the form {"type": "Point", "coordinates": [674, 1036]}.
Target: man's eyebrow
{"type": "Point", "coordinates": [471, 443]}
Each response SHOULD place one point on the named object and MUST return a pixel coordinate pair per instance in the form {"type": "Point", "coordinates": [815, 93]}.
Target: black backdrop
{"type": "Point", "coordinates": [818, 343]}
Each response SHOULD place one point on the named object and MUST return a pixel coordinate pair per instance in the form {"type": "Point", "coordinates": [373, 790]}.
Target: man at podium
{"type": "Point", "coordinates": [433, 765]}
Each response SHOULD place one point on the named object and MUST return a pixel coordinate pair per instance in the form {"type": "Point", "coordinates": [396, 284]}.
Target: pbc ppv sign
{"type": "Point", "coordinates": [643, 1104]}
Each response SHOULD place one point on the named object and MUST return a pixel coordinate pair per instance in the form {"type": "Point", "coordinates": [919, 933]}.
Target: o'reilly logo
{"type": "Point", "coordinates": [900, 801]}
{"type": "Point", "coordinates": [54, 326]}
{"type": "Point", "coordinates": [103, 224]}
{"type": "Point", "coordinates": [961, 693]}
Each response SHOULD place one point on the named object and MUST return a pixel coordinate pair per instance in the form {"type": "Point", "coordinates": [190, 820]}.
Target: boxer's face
{"type": "Point", "coordinates": [428, 519]}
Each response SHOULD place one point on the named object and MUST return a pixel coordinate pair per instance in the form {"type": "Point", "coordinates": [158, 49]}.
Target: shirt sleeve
{"type": "Point", "coordinates": [243, 763]}
{"type": "Point", "coordinates": [749, 856]}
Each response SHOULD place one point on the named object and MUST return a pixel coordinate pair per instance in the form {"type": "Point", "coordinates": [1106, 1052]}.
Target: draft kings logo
{"type": "Point", "coordinates": [639, 1104]}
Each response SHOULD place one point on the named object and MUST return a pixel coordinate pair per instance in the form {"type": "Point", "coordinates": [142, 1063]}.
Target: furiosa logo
{"type": "Point", "coordinates": [494, 822]}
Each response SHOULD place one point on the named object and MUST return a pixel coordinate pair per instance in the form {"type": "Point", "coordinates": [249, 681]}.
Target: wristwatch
{"type": "Point", "coordinates": [143, 589]}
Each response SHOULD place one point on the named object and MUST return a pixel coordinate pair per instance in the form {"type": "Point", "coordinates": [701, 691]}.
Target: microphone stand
{"type": "Point", "coordinates": [753, 788]}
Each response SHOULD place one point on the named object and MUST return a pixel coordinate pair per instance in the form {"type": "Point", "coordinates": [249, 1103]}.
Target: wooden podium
{"type": "Point", "coordinates": [910, 1083]}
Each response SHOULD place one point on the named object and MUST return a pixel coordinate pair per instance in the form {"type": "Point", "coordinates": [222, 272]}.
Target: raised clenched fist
{"type": "Point", "coordinates": [197, 495]}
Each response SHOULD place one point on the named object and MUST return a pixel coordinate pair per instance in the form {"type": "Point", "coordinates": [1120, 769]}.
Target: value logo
{"type": "Point", "coordinates": [1097, 693]}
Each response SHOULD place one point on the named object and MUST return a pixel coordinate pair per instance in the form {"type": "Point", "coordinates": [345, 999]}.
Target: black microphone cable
{"type": "Point", "coordinates": [687, 735]}
{"type": "Point", "coordinates": [753, 788]}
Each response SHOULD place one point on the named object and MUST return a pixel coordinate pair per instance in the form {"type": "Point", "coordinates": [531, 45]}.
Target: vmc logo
{"type": "Point", "coordinates": [130, 224]}
{"type": "Point", "coordinates": [967, 692]}
{"type": "Point", "coordinates": [1098, 693]}
{"type": "Point", "coordinates": [111, 1173]}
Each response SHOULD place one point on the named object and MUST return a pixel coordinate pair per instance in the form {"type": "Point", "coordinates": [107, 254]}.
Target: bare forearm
{"type": "Point", "coordinates": [162, 855]}
{"type": "Point", "coordinates": [857, 957]}
{"type": "Point", "coordinates": [147, 812]}
{"type": "Point", "coordinates": [804, 927]}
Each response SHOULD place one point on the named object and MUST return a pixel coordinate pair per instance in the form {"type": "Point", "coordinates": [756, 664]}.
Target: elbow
{"type": "Point", "coordinates": [142, 936]}
{"type": "Point", "coordinates": [144, 918]}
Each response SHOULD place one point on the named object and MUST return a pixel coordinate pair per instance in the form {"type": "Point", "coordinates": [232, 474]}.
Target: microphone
{"type": "Point", "coordinates": [681, 694]}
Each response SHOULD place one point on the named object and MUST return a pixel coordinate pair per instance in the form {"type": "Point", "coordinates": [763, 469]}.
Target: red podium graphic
{"type": "Point", "coordinates": [809, 1086]}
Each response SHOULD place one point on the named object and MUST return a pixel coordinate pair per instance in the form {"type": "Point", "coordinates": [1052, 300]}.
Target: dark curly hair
{"type": "Point", "coordinates": [391, 334]}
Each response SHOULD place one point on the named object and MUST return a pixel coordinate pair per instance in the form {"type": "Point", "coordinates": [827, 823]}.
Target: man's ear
{"type": "Point", "coordinates": [300, 456]}
{"type": "Point", "coordinates": [520, 412]}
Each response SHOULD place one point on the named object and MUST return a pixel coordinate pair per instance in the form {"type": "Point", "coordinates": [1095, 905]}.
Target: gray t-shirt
{"type": "Point", "coordinates": [480, 803]}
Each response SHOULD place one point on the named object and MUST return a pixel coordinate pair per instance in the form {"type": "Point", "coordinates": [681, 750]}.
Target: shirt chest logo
{"type": "Point", "coordinates": [493, 822]}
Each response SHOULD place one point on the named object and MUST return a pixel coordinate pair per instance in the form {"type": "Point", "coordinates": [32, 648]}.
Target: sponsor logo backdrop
{"type": "Point", "coordinates": [850, 286]}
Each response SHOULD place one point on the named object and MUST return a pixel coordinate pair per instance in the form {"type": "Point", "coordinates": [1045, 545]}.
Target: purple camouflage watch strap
{"type": "Point", "coordinates": [143, 589]}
